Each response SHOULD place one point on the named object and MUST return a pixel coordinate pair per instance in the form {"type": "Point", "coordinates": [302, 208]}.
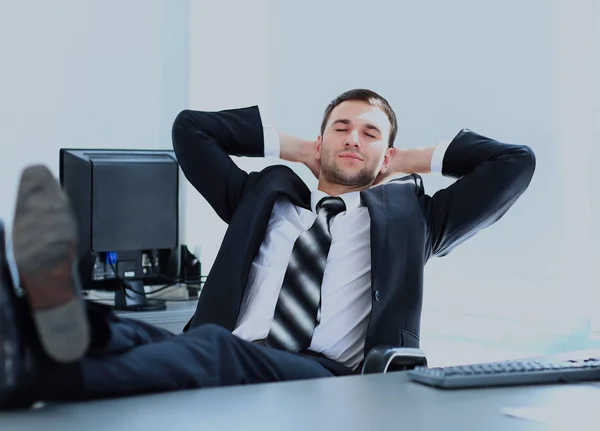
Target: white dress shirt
{"type": "Point", "coordinates": [346, 288]}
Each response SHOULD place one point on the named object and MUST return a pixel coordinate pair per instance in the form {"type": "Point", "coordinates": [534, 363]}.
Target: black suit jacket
{"type": "Point", "coordinates": [407, 225]}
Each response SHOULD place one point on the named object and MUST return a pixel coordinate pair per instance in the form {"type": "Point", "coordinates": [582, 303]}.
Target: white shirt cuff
{"type": "Point", "coordinates": [437, 160]}
{"type": "Point", "coordinates": [271, 138]}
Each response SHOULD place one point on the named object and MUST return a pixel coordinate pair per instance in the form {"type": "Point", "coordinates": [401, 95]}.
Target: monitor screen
{"type": "Point", "coordinates": [126, 203]}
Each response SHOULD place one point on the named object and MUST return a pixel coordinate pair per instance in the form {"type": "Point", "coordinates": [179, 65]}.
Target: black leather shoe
{"type": "Point", "coordinates": [16, 360]}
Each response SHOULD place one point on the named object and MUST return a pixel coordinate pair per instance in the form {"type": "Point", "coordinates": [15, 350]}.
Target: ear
{"type": "Point", "coordinates": [319, 142]}
{"type": "Point", "coordinates": [387, 160]}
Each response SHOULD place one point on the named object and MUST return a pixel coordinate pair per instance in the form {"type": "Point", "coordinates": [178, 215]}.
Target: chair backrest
{"type": "Point", "coordinates": [382, 359]}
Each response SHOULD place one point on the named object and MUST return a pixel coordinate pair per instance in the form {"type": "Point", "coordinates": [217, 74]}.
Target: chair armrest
{"type": "Point", "coordinates": [383, 359]}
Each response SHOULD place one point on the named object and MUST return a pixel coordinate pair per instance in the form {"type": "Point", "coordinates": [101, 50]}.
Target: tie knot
{"type": "Point", "coordinates": [331, 206]}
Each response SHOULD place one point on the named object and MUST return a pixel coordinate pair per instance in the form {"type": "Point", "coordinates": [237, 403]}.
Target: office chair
{"type": "Point", "coordinates": [382, 359]}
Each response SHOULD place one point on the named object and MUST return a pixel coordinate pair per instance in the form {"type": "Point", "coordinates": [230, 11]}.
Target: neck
{"type": "Point", "coordinates": [334, 189]}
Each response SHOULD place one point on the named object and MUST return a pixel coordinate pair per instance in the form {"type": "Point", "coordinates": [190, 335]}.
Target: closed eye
{"type": "Point", "coordinates": [370, 136]}
{"type": "Point", "coordinates": [341, 130]}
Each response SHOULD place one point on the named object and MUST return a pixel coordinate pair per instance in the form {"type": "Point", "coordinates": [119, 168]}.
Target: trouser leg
{"type": "Point", "coordinates": [139, 358]}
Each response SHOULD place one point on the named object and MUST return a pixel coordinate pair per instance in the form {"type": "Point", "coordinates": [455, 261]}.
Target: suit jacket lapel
{"type": "Point", "coordinates": [375, 200]}
{"type": "Point", "coordinates": [390, 208]}
{"type": "Point", "coordinates": [294, 188]}
{"type": "Point", "coordinates": [299, 199]}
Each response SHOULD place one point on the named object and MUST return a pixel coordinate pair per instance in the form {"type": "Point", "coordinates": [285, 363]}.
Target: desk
{"type": "Point", "coordinates": [372, 402]}
{"type": "Point", "coordinates": [173, 319]}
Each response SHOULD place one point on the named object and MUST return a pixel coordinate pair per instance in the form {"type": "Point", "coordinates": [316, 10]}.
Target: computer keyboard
{"type": "Point", "coordinates": [507, 373]}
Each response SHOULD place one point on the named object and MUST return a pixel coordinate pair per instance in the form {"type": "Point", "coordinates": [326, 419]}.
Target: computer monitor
{"type": "Point", "coordinates": [126, 203]}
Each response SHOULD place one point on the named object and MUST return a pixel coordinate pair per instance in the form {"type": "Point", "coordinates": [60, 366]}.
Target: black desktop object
{"type": "Point", "coordinates": [126, 203]}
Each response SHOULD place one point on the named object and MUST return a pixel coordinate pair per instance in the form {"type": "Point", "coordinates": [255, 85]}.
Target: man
{"type": "Point", "coordinates": [305, 282]}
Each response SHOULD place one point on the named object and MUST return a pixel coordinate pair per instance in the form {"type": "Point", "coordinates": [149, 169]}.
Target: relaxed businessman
{"type": "Point", "coordinates": [305, 283]}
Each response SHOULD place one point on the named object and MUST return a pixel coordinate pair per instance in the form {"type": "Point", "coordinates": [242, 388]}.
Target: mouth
{"type": "Point", "coordinates": [351, 156]}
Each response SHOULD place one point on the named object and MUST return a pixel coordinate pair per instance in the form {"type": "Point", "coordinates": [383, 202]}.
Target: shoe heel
{"type": "Point", "coordinates": [62, 340]}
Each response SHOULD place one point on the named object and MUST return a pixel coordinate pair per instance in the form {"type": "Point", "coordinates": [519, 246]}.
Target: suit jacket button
{"type": "Point", "coordinates": [377, 295]}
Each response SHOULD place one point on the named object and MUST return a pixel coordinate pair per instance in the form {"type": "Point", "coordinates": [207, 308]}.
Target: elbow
{"type": "Point", "coordinates": [182, 122]}
{"type": "Point", "coordinates": [525, 157]}
{"type": "Point", "coordinates": [529, 161]}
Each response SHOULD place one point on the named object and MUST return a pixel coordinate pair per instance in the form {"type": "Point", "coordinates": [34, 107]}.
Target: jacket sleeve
{"type": "Point", "coordinates": [490, 177]}
{"type": "Point", "coordinates": [203, 143]}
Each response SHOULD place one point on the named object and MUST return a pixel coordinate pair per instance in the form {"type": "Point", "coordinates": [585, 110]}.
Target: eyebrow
{"type": "Point", "coordinates": [346, 121]}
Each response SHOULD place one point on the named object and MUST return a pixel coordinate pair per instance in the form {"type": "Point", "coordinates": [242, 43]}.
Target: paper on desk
{"type": "Point", "coordinates": [573, 407]}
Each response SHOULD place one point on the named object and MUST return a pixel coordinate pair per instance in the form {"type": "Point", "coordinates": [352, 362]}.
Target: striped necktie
{"type": "Point", "coordinates": [296, 311]}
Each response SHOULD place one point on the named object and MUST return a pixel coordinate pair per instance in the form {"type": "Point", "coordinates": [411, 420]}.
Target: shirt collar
{"type": "Point", "coordinates": [351, 199]}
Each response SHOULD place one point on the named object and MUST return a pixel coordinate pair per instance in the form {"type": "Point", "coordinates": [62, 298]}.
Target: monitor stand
{"type": "Point", "coordinates": [134, 298]}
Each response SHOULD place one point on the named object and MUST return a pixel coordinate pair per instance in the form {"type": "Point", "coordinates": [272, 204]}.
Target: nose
{"type": "Point", "coordinates": [352, 139]}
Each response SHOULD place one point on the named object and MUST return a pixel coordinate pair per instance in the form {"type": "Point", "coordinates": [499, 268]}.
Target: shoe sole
{"type": "Point", "coordinates": [44, 245]}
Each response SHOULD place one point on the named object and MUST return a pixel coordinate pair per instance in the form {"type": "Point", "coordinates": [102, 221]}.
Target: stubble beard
{"type": "Point", "coordinates": [335, 174]}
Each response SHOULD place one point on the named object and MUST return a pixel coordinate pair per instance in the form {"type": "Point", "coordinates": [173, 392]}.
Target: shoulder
{"type": "Point", "coordinates": [273, 172]}
{"type": "Point", "coordinates": [412, 182]}
{"type": "Point", "coordinates": [278, 176]}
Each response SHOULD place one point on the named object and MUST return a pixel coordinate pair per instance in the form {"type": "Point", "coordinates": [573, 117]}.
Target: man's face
{"type": "Point", "coordinates": [354, 147]}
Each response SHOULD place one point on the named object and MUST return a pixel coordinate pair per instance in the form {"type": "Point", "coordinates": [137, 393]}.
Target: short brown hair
{"type": "Point", "coordinates": [367, 96]}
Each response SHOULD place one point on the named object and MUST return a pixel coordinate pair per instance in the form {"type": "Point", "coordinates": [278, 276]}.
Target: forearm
{"type": "Point", "coordinates": [414, 160]}
{"type": "Point", "coordinates": [237, 132]}
{"type": "Point", "coordinates": [203, 143]}
{"type": "Point", "coordinates": [469, 151]}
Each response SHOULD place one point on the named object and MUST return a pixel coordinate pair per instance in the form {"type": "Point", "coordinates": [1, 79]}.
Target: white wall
{"type": "Point", "coordinates": [522, 72]}
{"type": "Point", "coordinates": [85, 73]}
{"type": "Point", "coordinates": [231, 65]}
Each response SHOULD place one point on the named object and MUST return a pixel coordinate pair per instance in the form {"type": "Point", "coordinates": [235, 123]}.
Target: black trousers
{"type": "Point", "coordinates": [131, 357]}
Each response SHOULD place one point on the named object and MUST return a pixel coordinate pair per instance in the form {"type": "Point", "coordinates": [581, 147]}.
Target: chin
{"type": "Point", "coordinates": [352, 178]}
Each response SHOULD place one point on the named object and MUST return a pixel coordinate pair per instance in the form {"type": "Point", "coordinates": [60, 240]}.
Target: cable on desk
{"type": "Point", "coordinates": [168, 299]}
{"type": "Point", "coordinates": [201, 279]}
{"type": "Point", "coordinates": [160, 289]}
{"type": "Point", "coordinates": [125, 285]}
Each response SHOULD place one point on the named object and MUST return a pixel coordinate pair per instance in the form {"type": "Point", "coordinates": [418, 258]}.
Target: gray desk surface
{"type": "Point", "coordinates": [374, 402]}
{"type": "Point", "coordinates": [173, 318]}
